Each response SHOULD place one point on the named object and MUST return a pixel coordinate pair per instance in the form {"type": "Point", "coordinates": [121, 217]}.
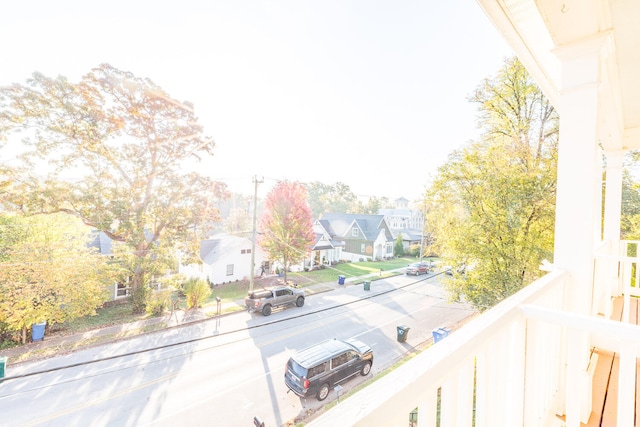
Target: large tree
{"type": "Point", "coordinates": [325, 198]}
{"type": "Point", "coordinates": [48, 272]}
{"type": "Point", "coordinates": [112, 150]}
{"type": "Point", "coordinates": [286, 226]}
{"type": "Point", "coordinates": [630, 221]}
{"type": "Point", "coordinates": [373, 206]}
{"type": "Point", "coordinates": [492, 204]}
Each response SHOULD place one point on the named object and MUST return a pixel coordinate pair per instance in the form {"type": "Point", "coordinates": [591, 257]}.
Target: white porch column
{"type": "Point", "coordinates": [578, 201]}
{"type": "Point", "coordinates": [579, 192]}
{"type": "Point", "coordinates": [613, 196]}
{"type": "Point", "coordinates": [612, 215]}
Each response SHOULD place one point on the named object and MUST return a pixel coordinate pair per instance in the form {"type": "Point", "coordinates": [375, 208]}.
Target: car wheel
{"type": "Point", "coordinates": [300, 302]}
{"type": "Point", "coordinates": [323, 392]}
{"type": "Point", "coordinates": [366, 369]}
{"type": "Point", "coordinates": [266, 310]}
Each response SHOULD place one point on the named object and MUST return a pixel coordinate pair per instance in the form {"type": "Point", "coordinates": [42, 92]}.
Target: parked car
{"type": "Point", "coordinates": [317, 369]}
{"type": "Point", "coordinates": [462, 269]}
{"type": "Point", "coordinates": [263, 300]}
{"type": "Point", "coordinates": [418, 268]}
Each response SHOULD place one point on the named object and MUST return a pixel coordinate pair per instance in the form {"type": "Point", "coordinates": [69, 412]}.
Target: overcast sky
{"type": "Point", "coordinates": [373, 94]}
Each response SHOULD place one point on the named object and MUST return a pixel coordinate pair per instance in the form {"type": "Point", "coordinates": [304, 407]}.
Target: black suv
{"type": "Point", "coordinates": [317, 369]}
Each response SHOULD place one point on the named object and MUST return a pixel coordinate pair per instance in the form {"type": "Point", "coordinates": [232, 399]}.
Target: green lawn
{"type": "Point", "coordinates": [352, 269]}
{"type": "Point", "coordinates": [237, 290]}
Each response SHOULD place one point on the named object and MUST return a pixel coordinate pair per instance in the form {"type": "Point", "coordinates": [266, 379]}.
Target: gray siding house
{"type": "Point", "coordinates": [365, 237]}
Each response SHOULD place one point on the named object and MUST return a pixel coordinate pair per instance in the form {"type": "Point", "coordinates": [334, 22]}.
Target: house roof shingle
{"type": "Point", "coordinates": [339, 224]}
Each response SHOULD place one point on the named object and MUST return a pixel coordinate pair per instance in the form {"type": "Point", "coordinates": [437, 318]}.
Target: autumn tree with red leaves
{"type": "Point", "coordinates": [286, 224]}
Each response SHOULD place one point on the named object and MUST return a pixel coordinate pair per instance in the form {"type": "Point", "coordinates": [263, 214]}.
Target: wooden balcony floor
{"type": "Point", "coordinates": [605, 379]}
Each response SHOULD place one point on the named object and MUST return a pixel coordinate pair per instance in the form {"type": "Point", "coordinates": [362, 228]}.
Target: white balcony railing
{"type": "Point", "coordinates": [519, 363]}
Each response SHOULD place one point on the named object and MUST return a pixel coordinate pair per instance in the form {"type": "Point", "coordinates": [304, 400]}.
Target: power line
{"type": "Point", "coordinates": [205, 338]}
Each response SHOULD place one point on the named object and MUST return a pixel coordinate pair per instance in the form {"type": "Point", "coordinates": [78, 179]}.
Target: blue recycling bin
{"type": "Point", "coordinates": [341, 280]}
{"type": "Point", "coordinates": [440, 333]}
{"type": "Point", "coordinates": [37, 331]}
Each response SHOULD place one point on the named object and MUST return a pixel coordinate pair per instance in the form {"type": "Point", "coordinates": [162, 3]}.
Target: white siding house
{"type": "Point", "coordinates": [225, 258]}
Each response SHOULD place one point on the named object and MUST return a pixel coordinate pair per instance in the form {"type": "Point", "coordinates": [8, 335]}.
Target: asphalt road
{"type": "Point", "coordinates": [226, 371]}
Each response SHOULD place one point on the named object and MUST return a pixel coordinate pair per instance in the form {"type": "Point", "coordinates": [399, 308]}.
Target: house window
{"type": "Point", "coordinates": [245, 251]}
{"type": "Point", "coordinates": [229, 269]}
{"type": "Point", "coordinates": [362, 247]}
{"type": "Point", "coordinates": [389, 249]}
{"type": "Point", "coordinates": [354, 232]}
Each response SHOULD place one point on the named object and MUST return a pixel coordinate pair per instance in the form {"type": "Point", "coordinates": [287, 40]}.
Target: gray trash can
{"type": "Point", "coordinates": [341, 280]}
{"type": "Point", "coordinates": [403, 331]}
{"type": "Point", "coordinates": [367, 285]}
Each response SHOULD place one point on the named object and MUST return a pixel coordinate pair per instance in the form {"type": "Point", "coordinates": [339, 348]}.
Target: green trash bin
{"type": "Point", "coordinates": [403, 331]}
{"type": "Point", "coordinates": [3, 363]}
{"type": "Point", "coordinates": [367, 285]}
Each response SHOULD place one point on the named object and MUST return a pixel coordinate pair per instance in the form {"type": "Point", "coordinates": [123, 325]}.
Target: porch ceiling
{"type": "Point", "coordinates": [535, 28]}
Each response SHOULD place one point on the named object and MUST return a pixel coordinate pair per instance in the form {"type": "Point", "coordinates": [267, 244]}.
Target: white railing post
{"type": "Point", "coordinates": [428, 409]}
{"type": "Point", "coordinates": [483, 368]}
{"type": "Point", "coordinates": [627, 384]}
{"type": "Point", "coordinates": [465, 394]}
{"type": "Point", "coordinates": [448, 393]}
{"type": "Point", "coordinates": [515, 366]}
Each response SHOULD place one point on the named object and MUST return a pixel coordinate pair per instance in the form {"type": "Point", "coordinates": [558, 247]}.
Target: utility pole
{"type": "Point", "coordinates": [424, 215]}
{"type": "Point", "coordinates": [256, 181]}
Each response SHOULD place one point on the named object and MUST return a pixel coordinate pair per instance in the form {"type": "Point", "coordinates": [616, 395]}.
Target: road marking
{"type": "Point", "coordinates": [100, 400]}
{"type": "Point", "coordinates": [324, 321]}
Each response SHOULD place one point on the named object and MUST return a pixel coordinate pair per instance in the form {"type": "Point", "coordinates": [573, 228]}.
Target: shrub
{"type": "Point", "coordinates": [139, 298]}
{"type": "Point", "coordinates": [158, 302]}
{"type": "Point", "coordinates": [197, 292]}
{"type": "Point", "coordinates": [414, 250]}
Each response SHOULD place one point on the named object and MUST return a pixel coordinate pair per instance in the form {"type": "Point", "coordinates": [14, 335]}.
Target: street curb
{"type": "Point", "coordinates": [61, 341]}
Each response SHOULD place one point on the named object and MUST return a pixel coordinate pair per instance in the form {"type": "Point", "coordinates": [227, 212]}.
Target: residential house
{"type": "Point", "coordinates": [326, 250]}
{"type": "Point", "coordinates": [225, 258]}
{"type": "Point", "coordinates": [103, 244]}
{"type": "Point", "coordinates": [401, 203]}
{"type": "Point", "coordinates": [365, 237]}
{"type": "Point", "coordinates": [408, 223]}
{"type": "Point", "coordinates": [403, 218]}
{"type": "Point", "coordinates": [532, 359]}
{"type": "Point", "coordinates": [410, 237]}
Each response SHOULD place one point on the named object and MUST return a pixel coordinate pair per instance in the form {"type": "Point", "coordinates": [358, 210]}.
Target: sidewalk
{"type": "Point", "coordinates": [55, 345]}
